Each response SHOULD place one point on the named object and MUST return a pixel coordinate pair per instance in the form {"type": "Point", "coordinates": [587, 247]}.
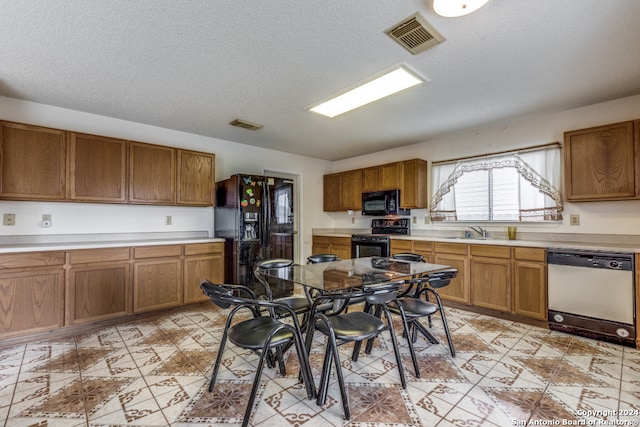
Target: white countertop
{"type": "Point", "coordinates": [563, 241]}
{"type": "Point", "coordinates": [59, 242]}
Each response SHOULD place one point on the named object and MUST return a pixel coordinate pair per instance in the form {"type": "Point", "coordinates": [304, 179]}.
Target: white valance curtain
{"type": "Point", "coordinates": [539, 171]}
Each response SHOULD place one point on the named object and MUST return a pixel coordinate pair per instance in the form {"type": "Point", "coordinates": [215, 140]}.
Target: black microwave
{"type": "Point", "coordinates": [382, 203]}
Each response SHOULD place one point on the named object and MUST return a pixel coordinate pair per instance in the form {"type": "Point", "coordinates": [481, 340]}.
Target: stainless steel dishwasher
{"type": "Point", "coordinates": [592, 294]}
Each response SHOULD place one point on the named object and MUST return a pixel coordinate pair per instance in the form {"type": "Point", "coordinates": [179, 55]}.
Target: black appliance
{"type": "Point", "coordinates": [378, 243]}
{"type": "Point", "coordinates": [382, 203]}
{"type": "Point", "coordinates": [254, 214]}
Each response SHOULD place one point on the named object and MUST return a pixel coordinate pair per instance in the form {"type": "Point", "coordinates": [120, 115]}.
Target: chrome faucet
{"type": "Point", "coordinates": [481, 231]}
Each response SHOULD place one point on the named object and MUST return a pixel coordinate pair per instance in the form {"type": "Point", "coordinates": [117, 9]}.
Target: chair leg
{"type": "Point", "coordinates": [324, 376]}
{"type": "Point", "coordinates": [216, 365]}
{"type": "Point", "coordinates": [396, 348]}
{"type": "Point", "coordinates": [256, 384]}
{"type": "Point", "coordinates": [305, 368]}
{"type": "Point", "coordinates": [412, 351]}
{"type": "Point", "coordinates": [445, 324]}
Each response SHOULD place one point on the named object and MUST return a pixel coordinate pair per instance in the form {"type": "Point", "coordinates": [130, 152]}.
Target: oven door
{"type": "Point", "coordinates": [362, 247]}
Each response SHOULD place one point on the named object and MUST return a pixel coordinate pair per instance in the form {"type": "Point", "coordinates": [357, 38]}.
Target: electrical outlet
{"type": "Point", "coordinates": [414, 220]}
{"type": "Point", "coordinates": [574, 219]}
{"type": "Point", "coordinates": [9, 219]}
{"type": "Point", "coordinates": [46, 220]}
{"type": "Point", "coordinates": [167, 220]}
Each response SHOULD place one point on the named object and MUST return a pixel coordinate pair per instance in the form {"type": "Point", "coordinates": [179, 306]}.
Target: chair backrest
{"type": "Point", "coordinates": [408, 256]}
{"type": "Point", "coordinates": [319, 258]}
{"type": "Point", "coordinates": [274, 263]}
{"type": "Point", "coordinates": [380, 293]}
{"type": "Point", "coordinates": [439, 279]}
{"type": "Point", "coordinates": [224, 296]}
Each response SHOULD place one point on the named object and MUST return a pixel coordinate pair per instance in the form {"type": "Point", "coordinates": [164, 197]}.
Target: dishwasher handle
{"type": "Point", "coordinates": [592, 259]}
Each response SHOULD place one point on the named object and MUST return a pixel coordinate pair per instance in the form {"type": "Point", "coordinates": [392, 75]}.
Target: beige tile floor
{"type": "Point", "coordinates": [155, 373]}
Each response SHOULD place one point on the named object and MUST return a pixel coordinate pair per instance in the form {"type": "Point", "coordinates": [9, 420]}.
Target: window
{"type": "Point", "coordinates": [284, 210]}
{"type": "Point", "coordinates": [515, 186]}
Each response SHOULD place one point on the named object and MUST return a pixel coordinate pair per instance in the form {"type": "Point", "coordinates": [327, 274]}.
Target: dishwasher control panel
{"type": "Point", "coordinates": [591, 259]}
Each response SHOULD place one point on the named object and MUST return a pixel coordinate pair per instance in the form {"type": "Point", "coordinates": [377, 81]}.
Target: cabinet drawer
{"type": "Point", "coordinates": [321, 240]}
{"type": "Point", "coordinates": [531, 254]}
{"type": "Point", "coordinates": [340, 241]}
{"type": "Point", "coordinates": [31, 259]}
{"type": "Point", "coordinates": [403, 245]}
{"type": "Point", "coordinates": [84, 256]}
{"type": "Point", "coordinates": [203, 248]}
{"type": "Point", "coordinates": [450, 248]}
{"type": "Point", "coordinates": [157, 251]}
{"type": "Point", "coordinates": [421, 246]}
{"type": "Point", "coordinates": [490, 251]}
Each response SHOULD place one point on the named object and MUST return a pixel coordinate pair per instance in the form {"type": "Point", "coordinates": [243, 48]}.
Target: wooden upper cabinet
{"type": "Point", "coordinates": [97, 168]}
{"type": "Point", "coordinates": [391, 176]}
{"type": "Point", "coordinates": [602, 163]}
{"type": "Point", "coordinates": [32, 162]}
{"type": "Point", "coordinates": [152, 174]}
{"type": "Point", "coordinates": [371, 179]}
{"type": "Point", "coordinates": [196, 178]}
{"type": "Point", "coordinates": [352, 190]}
{"type": "Point", "coordinates": [332, 194]}
{"type": "Point", "coordinates": [413, 191]}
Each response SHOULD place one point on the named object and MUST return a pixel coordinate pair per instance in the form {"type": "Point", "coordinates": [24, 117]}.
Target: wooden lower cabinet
{"type": "Point", "coordinates": [31, 301]}
{"type": "Point", "coordinates": [202, 261]}
{"type": "Point", "coordinates": [454, 255]}
{"type": "Point", "coordinates": [530, 283]}
{"type": "Point", "coordinates": [401, 246]}
{"type": "Point", "coordinates": [490, 277]}
{"type": "Point", "coordinates": [98, 285]}
{"type": "Point", "coordinates": [157, 277]}
{"type": "Point", "coordinates": [31, 292]}
{"type": "Point", "coordinates": [339, 246]}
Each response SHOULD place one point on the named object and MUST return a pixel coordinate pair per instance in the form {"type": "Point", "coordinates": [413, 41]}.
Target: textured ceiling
{"type": "Point", "coordinates": [196, 65]}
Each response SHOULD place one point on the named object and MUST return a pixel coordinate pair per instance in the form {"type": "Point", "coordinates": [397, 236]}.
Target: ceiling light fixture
{"type": "Point", "coordinates": [455, 8]}
{"type": "Point", "coordinates": [389, 83]}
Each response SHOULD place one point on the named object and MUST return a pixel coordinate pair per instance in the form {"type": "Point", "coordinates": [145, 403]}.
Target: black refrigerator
{"type": "Point", "coordinates": [254, 214]}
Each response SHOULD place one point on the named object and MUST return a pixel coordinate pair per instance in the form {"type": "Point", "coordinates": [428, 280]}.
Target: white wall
{"type": "Point", "coordinates": [621, 217]}
{"type": "Point", "coordinates": [231, 157]}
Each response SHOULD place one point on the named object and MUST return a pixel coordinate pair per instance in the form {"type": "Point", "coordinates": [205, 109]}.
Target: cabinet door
{"type": "Point", "coordinates": [31, 301]}
{"type": "Point", "coordinates": [198, 268]}
{"type": "Point", "coordinates": [98, 291]}
{"type": "Point", "coordinates": [352, 190]}
{"type": "Point", "coordinates": [401, 246]}
{"type": "Point", "coordinates": [458, 288]}
{"type": "Point", "coordinates": [152, 174]}
{"type": "Point", "coordinates": [157, 283]}
{"type": "Point", "coordinates": [530, 286]}
{"type": "Point", "coordinates": [196, 178]}
{"type": "Point", "coordinates": [332, 192]}
{"type": "Point", "coordinates": [341, 247]}
{"type": "Point", "coordinates": [491, 283]}
{"type": "Point", "coordinates": [32, 161]}
{"type": "Point", "coordinates": [424, 248]}
{"type": "Point", "coordinates": [391, 176]}
{"type": "Point", "coordinates": [600, 163]}
{"type": "Point", "coordinates": [97, 168]}
{"type": "Point", "coordinates": [371, 179]}
{"type": "Point", "coordinates": [321, 245]}
{"type": "Point", "coordinates": [413, 192]}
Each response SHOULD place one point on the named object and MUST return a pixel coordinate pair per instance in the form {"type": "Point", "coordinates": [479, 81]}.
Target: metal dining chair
{"type": "Point", "coordinates": [342, 327]}
{"type": "Point", "coordinates": [261, 334]}
{"type": "Point", "coordinates": [300, 305]}
{"type": "Point", "coordinates": [411, 308]}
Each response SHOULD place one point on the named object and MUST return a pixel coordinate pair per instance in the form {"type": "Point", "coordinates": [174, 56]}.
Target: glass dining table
{"type": "Point", "coordinates": [336, 276]}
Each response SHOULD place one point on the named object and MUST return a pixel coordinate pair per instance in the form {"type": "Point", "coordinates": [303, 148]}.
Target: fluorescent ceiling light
{"type": "Point", "coordinates": [455, 8]}
{"type": "Point", "coordinates": [385, 85]}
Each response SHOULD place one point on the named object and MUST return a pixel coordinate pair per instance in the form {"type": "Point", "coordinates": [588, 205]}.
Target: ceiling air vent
{"type": "Point", "coordinates": [245, 124]}
{"type": "Point", "coordinates": [415, 34]}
